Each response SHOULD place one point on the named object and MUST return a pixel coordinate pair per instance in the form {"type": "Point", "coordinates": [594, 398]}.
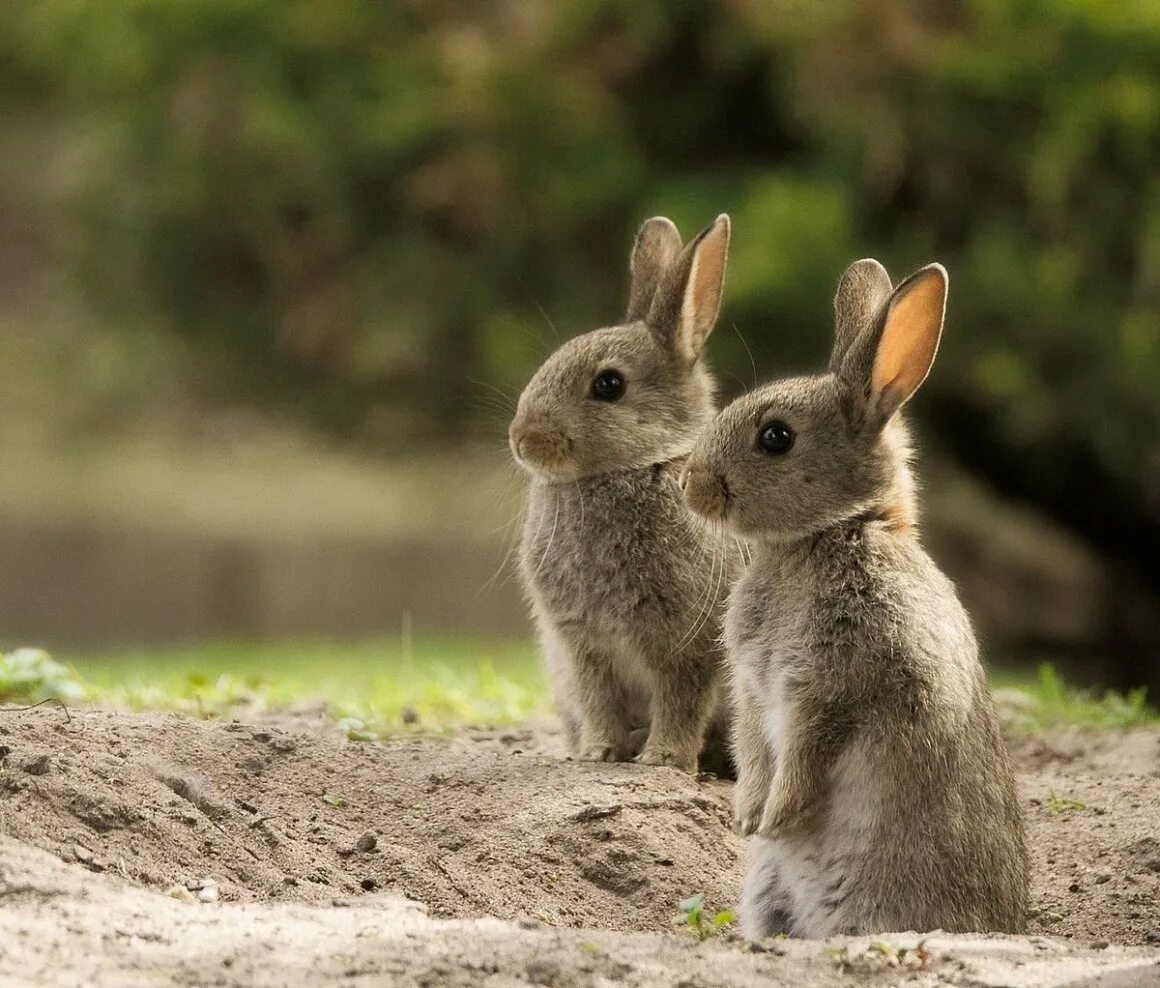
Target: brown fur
{"type": "Point", "coordinates": [871, 770]}
{"type": "Point", "coordinates": [627, 587]}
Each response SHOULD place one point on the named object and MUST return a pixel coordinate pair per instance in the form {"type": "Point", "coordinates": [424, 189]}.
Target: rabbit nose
{"type": "Point", "coordinates": [706, 493]}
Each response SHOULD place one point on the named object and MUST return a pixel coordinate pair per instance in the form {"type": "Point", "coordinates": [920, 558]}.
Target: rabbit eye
{"type": "Point", "coordinates": [608, 386]}
{"type": "Point", "coordinates": [775, 438]}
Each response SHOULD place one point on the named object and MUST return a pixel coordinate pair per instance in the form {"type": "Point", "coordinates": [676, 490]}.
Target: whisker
{"type": "Point", "coordinates": [752, 362]}
{"type": "Point", "coordinates": [551, 539]}
{"type": "Point", "coordinates": [704, 603]}
{"type": "Point", "coordinates": [536, 303]}
{"type": "Point", "coordinates": [580, 498]}
{"type": "Point", "coordinates": [491, 583]}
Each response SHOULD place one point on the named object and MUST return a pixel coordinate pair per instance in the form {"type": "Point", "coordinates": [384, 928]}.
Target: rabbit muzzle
{"type": "Point", "coordinates": [706, 494]}
{"type": "Point", "coordinates": [539, 446]}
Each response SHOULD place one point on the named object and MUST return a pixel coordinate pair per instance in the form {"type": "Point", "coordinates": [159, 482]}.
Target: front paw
{"type": "Point", "coordinates": [782, 817]}
{"type": "Point", "coordinates": [747, 811]}
{"type": "Point", "coordinates": [658, 755]}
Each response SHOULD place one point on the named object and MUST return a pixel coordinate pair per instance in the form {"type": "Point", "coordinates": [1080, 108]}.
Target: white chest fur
{"type": "Point", "coordinates": [762, 673]}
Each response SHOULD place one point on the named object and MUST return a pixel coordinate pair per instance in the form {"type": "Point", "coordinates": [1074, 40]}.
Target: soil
{"type": "Point", "coordinates": [162, 849]}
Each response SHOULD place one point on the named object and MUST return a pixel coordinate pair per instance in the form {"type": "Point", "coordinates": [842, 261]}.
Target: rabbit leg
{"type": "Point", "coordinates": [754, 765]}
{"type": "Point", "coordinates": [816, 731]}
{"type": "Point", "coordinates": [765, 902]}
{"type": "Point", "coordinates": [717, 750]}
{"type": "Point", "coordinates": [603, 708]}
{"type": "Point", "coordinates": [680, 709]}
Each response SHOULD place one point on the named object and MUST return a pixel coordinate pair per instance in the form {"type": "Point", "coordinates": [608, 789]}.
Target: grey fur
{"type": "Point", "coordinates": [871, 768]}
{"type": "Point", "coordinates": [627, 588]}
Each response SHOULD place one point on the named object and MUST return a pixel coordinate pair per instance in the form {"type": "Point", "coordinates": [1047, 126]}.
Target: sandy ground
{"type": "Point", "coordinates": [153, 849]}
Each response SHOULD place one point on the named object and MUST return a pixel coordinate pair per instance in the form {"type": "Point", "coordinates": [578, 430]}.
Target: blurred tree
{"type": "Point", "coordinates": [1018, 141]}
{"type": "Point", "coordinates": [364, 209]}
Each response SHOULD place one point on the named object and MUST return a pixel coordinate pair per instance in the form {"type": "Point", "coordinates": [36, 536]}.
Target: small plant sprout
{"type": "Point", "coordinates": [355, 729]}
{"type": "Point", "coordinates": [1060, 804]}
{"type": "Point", "coordinates": [839, 957]}
{"type": "Point", "coordinates": [692, 914]}
{"type": "Point", "coordinates": [877, 955]}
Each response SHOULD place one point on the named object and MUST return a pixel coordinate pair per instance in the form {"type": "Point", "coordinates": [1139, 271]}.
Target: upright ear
{"type": "Point", "coordinates": [657, 245]}
{"type": "Point", "coordinates": [861, 293]}
{"type": "Point", "coordinates": [886, 364]}
{"type": "Point", "coordinates": [688, 301]}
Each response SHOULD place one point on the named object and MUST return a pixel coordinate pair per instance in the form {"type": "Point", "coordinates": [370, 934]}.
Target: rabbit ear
{"type": "Point", "coordinates": [888, 362]}
{"type": "Point", "coordinates": [657, 245]}
{"type": "Point", "coordinates": [861, 293]}
{"type": "Point", "coordinates": [689, 299]}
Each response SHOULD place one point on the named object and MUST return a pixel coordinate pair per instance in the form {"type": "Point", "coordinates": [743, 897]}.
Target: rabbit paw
{"type": "Point", "coordinates": [656, 755]}
{"type": "Point", "coordinates": [747, 811]}
{"type": "Point", "coordinates": [600, 751]}
{"type": "Point", "coordinates": [637, 739]}
{"type": "Point", "coordinates": [784, 817]}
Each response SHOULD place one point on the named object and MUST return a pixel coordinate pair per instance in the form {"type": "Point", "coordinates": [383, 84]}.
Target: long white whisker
{"type": "Point", "coordinates": [752, 362]}
{"type": "Point", "coordinates": [716, 576]}
{"type": "Point", "coordinates": [536, 303]}
{"type": "Point", "coordinates": [580, 498]}
{"type": "Point", "coordinates": [704, 603]}
{"type": "Point", "coordinates": [551, 539]}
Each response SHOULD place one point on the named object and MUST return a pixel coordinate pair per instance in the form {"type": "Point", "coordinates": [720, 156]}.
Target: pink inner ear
{"type": "Point", "coordinates": [703, 295]}
{"type": "Point", "coordinates": [910, 339]}
{"type": "Point", "coordinates": [707, 277]}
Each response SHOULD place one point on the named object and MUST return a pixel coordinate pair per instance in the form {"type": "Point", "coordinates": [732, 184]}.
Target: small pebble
{"type": "Point", "coordinates": [37, 765]}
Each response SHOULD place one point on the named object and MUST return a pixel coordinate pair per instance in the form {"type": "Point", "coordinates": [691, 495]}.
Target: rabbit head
{"type": "Point", "coordinates": [799, 455]}
{"type": "Point", "coordinates": [631, 395]}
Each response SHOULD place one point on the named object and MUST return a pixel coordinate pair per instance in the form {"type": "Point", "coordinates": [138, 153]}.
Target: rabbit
{"type": "Point", "coordinates": [871, 771]}
{"type": "Point", "coordinates": [626, 587]}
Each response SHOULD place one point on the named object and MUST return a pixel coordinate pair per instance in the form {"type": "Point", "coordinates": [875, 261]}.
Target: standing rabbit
{"type": "Point", "coordinates": [871, 769]}
{"type": "Point", "coordinates": [626, 586]}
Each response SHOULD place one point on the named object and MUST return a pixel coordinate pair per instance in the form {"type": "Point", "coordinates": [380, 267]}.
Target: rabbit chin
{"type": "Point", "coordinates": [554, 472]}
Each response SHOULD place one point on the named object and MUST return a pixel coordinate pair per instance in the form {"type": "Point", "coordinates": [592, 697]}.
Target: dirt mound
{"type": "Point", "coordinates": [471, 825]}
{"type": "Point", "coordinates": [62, 926]}
{"type": "Point", "coordinates": [280, 821]}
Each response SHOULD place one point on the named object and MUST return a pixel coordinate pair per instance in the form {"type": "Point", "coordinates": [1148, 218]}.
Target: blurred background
{"type": "Point", "coordinates": [273, 271]}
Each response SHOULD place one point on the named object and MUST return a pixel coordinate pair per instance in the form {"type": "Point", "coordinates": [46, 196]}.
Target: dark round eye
{"type": "Point", "coordinates": [608, 385]}
{"type": "Point", "coordinates": [775, 438]}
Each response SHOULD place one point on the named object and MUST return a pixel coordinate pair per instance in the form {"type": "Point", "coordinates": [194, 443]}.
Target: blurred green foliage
{"type": "Point", "coordinates": [373, 210]}
{"type": "Point", "coordinates": [370, 688]}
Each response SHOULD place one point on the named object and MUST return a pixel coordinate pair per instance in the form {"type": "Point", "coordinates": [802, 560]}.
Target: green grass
{"type": "Point", "coordinates": [1045, 701]}
{"type": "Point", "coordinates": [374, 687]}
